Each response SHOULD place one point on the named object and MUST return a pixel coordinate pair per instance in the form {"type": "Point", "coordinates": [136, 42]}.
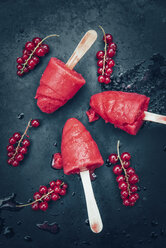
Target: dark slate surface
{"type": "Point", "coordinates": [138, 28]}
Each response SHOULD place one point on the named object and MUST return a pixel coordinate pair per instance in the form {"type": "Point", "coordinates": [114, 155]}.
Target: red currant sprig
{"type": "Point", "coordinates": [105, 61]}
{"type": "Point", "coordinates": [128, 179]}
{"type": "Point", "coordinates": [33, 50]}
{"type": "Point", "coordinates": [53, 192]}
{"type": "Point", "coordinates": [18, 146]}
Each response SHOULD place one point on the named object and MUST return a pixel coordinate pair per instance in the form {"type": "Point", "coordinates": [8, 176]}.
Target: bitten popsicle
{"type": "Point", "coordinates": [126, 111]}
{"type": "Point", "coordinates": [80, 154]}
{"type": "Point", "coordinates": [59, 82]}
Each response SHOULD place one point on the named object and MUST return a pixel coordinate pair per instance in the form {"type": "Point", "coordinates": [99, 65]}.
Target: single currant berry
{"type": "Point", "coordinates": [43, 190]}
{"type": "Point", "coordinates": [113, 158]}
{"type": "Point", "coordinates": [101, 79]}
{"type": "Point", "coordinates": [125, 156]}
{"type": "Point", "coordinates": [58, 182]}
{"type": "Point", "coordinates": [43, 206]}
{"type": "Point", "coordinates": [19, 73]}
{"type": "Point", "coordinates": [130, 171]}
{"type": "Point", "coordinates": [40, 52]}
{"type": "Point", "coordinates": [26, 142]}
{"type": "Point", "coordinates": [31, 67]}
{"type": "Point", "coordinates": [10, 154]}
{"type": "Point", "coordinates": [124, 194]}
{"type": "Point", "coordinates": [110, 63]}
{"type": "Point", "coordinates": [29, 46]}
{"type": "Point", "coordinates": [10, 161]}
{"type": "Point", "coordinates": [19, 157]}
{"type": "Point", "coordinates": [52, 184]}
{"type": "Point", "coordinates": [17, 136]}
{"type": "Point", "coordinates": [10, 148]}
{"type": "Point", "coordinates": [108, 38]}
{"type": "Point", "coordinates": [25, 57]}
{"type": "Point", "coordinates": [132, 204]}
{"type": "Point", "coordinates": [109, 71]}
{"type": "Point", "coordinates": [26, 52]}
{"type": "Point", "coordinates": [107, 80]}
{"type": "Point", "coordinates": [65, 186]}
{"type": "Point", "coordinates": [31, 63]}
{"type": "Point", "coordinates": [47, 198]}
{"type": "Point", "coordinates": [117, 169]}
{"type": "Point", "coordinates": [37, 196]}
{"type": "Point", "coordinates": [19, 67]}
{"type": "Point", "coordinates": [36, 59]}
{"type": "Point", "coordinates": [57, 189]}
{"type": "Point", "coordinates": [55, 196]}
{"type": "Point", "coordinates": [12, 141]}
{"type": "Point", "coordinates": [123, 185]}
{"type": "Point", "coordinates": [113, 46]}
{"type": "Point", "coordinates": [45, 47]}
{"type": "Point", "coordinates": [110, 52]}
{"type": "Point", "coordinates": [126, 164]}
{"type": "Point", "coordinates": [133, 179]}
{"type": "Point", "coordinates": [126, 202]}
{"type": "Point", "coordinates": [36, 40]}
{"type": "Point", "coordinates": [132, 198]}
{"type": "Point", "coordinates": [20, 60]}
{"type": "Point", "coordinates": [100, 63]}
{"type": "Point", "coordinates": [100, 54]}
{"type": "Point", "coordinates": [15, 163]}
{"type": "Point", "coordinates": [50, 190]}
{"type": "Point", "coordinates": [23, 150]}
{"type": "Point", "coordinates": [133, 188]}
{"type": "Point", "coordinates": [26, 70]}
{"type": "Point", "coordinates": [35, 123]}
{"type": "Point", "coordinates": [120, 178]}
{"type": "Point", "coordinates": [136, 195]}
{"type": "Point", "coordinates": [35, 206]}
{"type": "Point", "coordinates": [62, 192]}
{"type": "Point", "coordinates": [100, 70]}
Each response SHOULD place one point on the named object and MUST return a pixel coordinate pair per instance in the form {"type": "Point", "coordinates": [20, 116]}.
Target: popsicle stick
{"type": "Point", "coordinates": [84, 45]}
{"type": "Point", "coordinates": [95, 221]}
{"type": "Point", "coordinates": [154, 117]}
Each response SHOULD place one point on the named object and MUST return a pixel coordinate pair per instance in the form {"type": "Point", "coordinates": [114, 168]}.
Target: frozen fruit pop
{"type": "Point", "coordinates": [80, 154]}
{"type": "Point", "coordinates": [126, 111]}
{"type": "Point", "coordinates": [59, 82]}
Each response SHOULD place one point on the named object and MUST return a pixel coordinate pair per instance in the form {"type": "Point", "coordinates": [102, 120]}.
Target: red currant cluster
{"type": "Point", "coordinates": [105, 61]}
{"type": "Point", "coordinates": [30, 58]}
{"type": "Point", "coordinates": [46, 194]}
{"type": "Point", "coordinates": [18, 146]}
{"type": "Point", "coordinates": [128, 179]}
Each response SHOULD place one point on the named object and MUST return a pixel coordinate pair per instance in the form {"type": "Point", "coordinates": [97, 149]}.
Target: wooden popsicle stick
{"type": "Point", "coordinates": [95, 221]}
{"type": "Point", "coordinates": [154, 117]}
{"type": "Point", "coordinates": [84, 45]}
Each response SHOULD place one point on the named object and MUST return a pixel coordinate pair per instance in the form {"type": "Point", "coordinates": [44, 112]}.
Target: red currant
{"type": "Point", "coordinates": [113, 46]}
{"type": "Point", "coordinates": [57, 189]}
{"type": "Point", "coordinates": [26, 142]}
{"type": "Point", "coordinates": [19, 157]}
{"type": "Point", "coordinates": [35, 123]}
{"type": "Point", "coordinates": [35, 206]}
{"type": "Point", "coordinates": [125, 156]}
{"type": "Point", "coordinates": [23, 150]}
{"type": "Point", "coordinates": [43, 190]}
{"type": "Point", "coordinates": [126, 164]}
{"type": "Point", "coordinates": [55, 196]}
{"type": "Point", "coordinates": [136, 195]}
{"type": "Point", "coordinates": [58, 182]}
{"type": "Point", "coordinates": [17, 136]}
{"type": "Point", "coordinates": [123, 185]}
{"type": "Point", "coordinates": [29, 46]}
{"type": "Point", "coordinates": [26, 69]}
{"type": "Point", "coordinates": [50, 190]}
{"type": "Point", "coordinates": [40, 52]}
{"type": "Point", "coordinates": [132, 198]}
{"type": "Point", "coordinates": [45, 47]}
{"type": "Point", "coordinates": [19, 73]}
{"type": "Point", "coordinates": [117, 169]}
{"type": "Point", "coordinates": [12, 141]}
{"type": "Point", "coordinates": [110, 63]}
{"type": "Point", "coordinates": [110, 52]}
{"type": "Point", "coordinates": [100, 70]}
{"type": "Point", "coordinates": [113, 158]}
{"type": "Point", "coordinates": [19, 67]}
{"type": "Point", "coordinates": [26, 52]}
{"type": "Point", "coordinates": [65, 186]}
{"type": "Point", "coordinates": [100, 54]}
{"type": "Point", "coordinates": [62, 192]}
{"type": "Point", "coordinates": [36, 40]}
{"type": "Point", "coordinates": [20, 60]}
{"type": "Point", "coordinates": [126, 202]}
{"type": "Point", "coordinates": [10, 148]}
{"type": "Point", "coordinates": [109, 71]}
{"type": "Point", "coordinates": [108, 37]}
{"type": "Point", "coordinates": [133, 179]}
{"type": "Point", "coordinates": [10, 154]}
{"type": "Point", "coordinates": [133, 188]}
{"type": "Point", "coordinates": [124, 194]}
{"type": "Point", "coordinates": [52, 184]}
{"type": "Point", "coordinates": [130, 171]}
{"type": "Point", "coordinates": [36, 59]}
{"type": "Point", "coordinates": [107, 80]}
{"type": "Point", "coordinates": [43, 206]}
{"type": "Point", "coordinates": [31, 64]}
{"type": "Point", "coordinates": [15, 163]}
{"type": "Point", "coordinates": [36, 196]}
{"type": "Point", "coordinates": [100, 63]}
{"type": "Point", "coordinates": [10, 161]}
{"type": "Point", "coordinates": [101, 79]}
{"type": "Point", "coordinates": [25, 57]}
{"type": "Point", "coordinates": [47, 198]}
{"type": "Point", "coordinates": [120, 178]}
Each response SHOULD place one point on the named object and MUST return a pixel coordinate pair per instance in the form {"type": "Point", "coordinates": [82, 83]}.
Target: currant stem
{"type": "Point", "coordinates": [105, 49]}
{"type": "Point", "coordinates": [30, 56]}
{"type": "Point", "coordinates": [25, 133]}
{"type": "Point", "coordinates": [122, 164]}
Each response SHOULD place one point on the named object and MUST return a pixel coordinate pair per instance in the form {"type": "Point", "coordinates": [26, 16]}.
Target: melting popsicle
{"type": "Point", "coordinates": [59, 82]}
{"type": "Point", "coordinates": [126, 111]}
{"type": "Point", "coordinates": [80, 154]}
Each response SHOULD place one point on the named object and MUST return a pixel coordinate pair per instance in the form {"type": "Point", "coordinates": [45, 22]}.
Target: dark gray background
{"type": "Point", "coordinates": [138, 27]}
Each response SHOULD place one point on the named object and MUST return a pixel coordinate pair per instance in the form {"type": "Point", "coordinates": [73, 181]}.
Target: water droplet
{"type": "Point", "coordinates": [86, 243]}
{"type": "Point", "coordinates": [154, 223]}
{"type": "Point", "coordinates": [164, 148]}
{"type": "Point", "coordinates": [55, 144]}
{"type": "Point", "coordinates": [28, 238]}
{"type": "Point", "coordinates": [87, 222]}
{"type": "Point", "coordinates": [9, 203]}
{"type": "Point", "coordinates": [20, 116]}
{"type": "Point", "coordinates": [154, 235]}
{"type": "Point", "coordinates": [128, 235]}
{"type": "Point", "coordinates": [144, 188]}
{"type": "Point", "coordinates": [45, 226]}
{"type": "Point", "coordinates": [19, 222]}
{"type": "Point", "coordinates": [162, 231]}
{"type": "Point", "coordinates": [73, 194]}
{"type": "Point", "coordinates": [8, 232]}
